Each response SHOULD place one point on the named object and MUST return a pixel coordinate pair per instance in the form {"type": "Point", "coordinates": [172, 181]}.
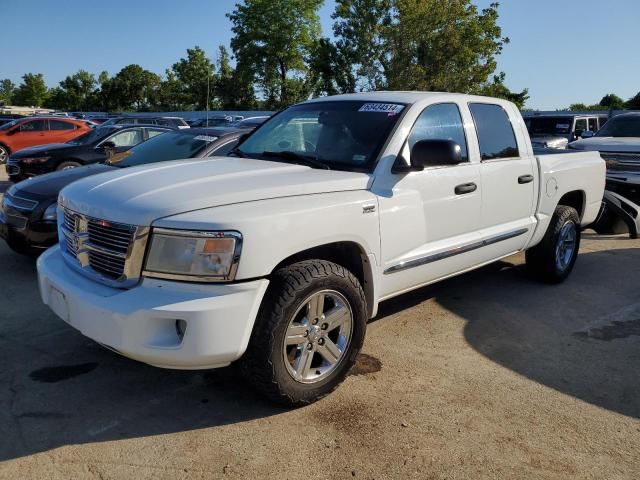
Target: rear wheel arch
{"type": "Point", "coordinates": [575, 199]}
{"type": "Point", "coordinates": [347, 254]}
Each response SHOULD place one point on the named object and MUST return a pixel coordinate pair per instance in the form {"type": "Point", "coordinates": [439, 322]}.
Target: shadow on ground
{"type": "Point", "coordinates": [61, 388]}
{"type": "Point", "coordinates": [580, 338]}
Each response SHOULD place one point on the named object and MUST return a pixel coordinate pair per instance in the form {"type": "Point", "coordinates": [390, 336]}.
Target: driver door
{"type": "Point", "coordinates": [30, 134]}
{"type": "Point", "coordinates": [428, 216]}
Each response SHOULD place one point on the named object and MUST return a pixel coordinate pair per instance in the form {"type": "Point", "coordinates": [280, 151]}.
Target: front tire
{"type": "Point", "coordinates": [4, 154]}
{"type": "Point", "coordinates": [309, 330]}
{"type": "Point", "coordinates": [552, 260]}
{"type": "Point", "coordinates": [68, 165]}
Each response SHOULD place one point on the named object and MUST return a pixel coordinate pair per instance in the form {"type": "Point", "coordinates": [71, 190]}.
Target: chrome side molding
{"type": "Point", "coordinates": [418, 262]}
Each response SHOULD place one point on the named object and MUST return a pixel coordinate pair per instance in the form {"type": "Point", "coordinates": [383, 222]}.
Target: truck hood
{"type": "Point", "coordinates": [608, 144]}
{"type": "Point", "coordinates": [141, 195]}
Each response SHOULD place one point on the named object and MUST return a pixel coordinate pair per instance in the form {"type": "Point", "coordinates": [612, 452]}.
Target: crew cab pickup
{"type": "Point", "coordinates": [277, 255]}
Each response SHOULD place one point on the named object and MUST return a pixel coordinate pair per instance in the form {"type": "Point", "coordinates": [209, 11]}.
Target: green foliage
{"type": "Point", "coordinates": [234, 87]}
{"type": "Point", "coordinates": [634, 102]}
{"type": "Point", "coordinates": [612, 101]}
{"type": "Point", "coordinates": [195, 77]}
{"type": "Point", "coordinates": [76, 92]}
{"type": "Point", "coordinates": [497, 88]}
{"type": "Point", "coordinates": [272, 39]}
{"type": "Point", "coordinates": [32, 92]}
{"type": "Point", "coordinates": [7, 90]}
{"type": "Point", "coordinates": [132, 88]}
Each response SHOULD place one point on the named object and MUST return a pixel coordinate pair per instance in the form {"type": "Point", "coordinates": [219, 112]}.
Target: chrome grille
{"type": "Point", "coordinates": [111, 251]}
{"type": "Point", "coordinates": [629, 162]}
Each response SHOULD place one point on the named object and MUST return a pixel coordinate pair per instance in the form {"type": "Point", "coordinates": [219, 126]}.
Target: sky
{"type": "Point", "coordinates": [563, 51]}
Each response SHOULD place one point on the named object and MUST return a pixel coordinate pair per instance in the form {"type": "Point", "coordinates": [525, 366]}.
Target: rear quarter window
{"type": "Point", "coordinates": [495, 132]}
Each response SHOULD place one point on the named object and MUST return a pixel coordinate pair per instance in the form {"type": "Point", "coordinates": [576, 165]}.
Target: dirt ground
{"type": "Point", "coordinates": [488, 375]}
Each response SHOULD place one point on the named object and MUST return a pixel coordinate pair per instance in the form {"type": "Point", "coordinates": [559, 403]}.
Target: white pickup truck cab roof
{"type": "Point", "coordinates": [280, 253]}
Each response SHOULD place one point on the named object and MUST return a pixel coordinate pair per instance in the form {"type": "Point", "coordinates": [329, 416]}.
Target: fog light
{"type": "Point", "coordinates": [181, 327]}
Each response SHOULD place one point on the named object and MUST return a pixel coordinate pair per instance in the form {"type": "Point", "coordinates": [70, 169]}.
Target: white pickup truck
{"type": "Point", "coordinates": [279, 254]}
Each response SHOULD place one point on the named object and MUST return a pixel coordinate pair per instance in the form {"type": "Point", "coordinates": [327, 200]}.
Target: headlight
{"type": "Point", "coordinates": [51, 213]}
{"type": "Point", "coordinates": [193, 256]}
{"type": "Point", "coordinates": [34, 160]}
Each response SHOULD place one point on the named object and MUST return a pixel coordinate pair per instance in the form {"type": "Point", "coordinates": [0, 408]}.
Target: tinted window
{"type": "Point", "coordinates": [224, 149]}
{"type": "Point", "coordinates": [440, 122]}
{"type": "Point", "coordinates": [172, 145]}
{"type": "Point", "coordinates": [154, 132]}
{"type": "Point", "coordinates": [495, 134]}
{"type": "Point", "coordinates": [593, 124]}
{"type": "Point", "coordinates": [34, 126]}
{"type": "Point", "coordinates": [128, 138]}
{"type": "Point", "coordinates": [59, 125]}
{"type": "Point", "coordinates": [623, 126]}
{"type": "Point", "coordinates": [548, 125]}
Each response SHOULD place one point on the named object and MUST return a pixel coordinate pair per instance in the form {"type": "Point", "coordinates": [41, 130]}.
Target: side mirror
{"type": "Point", "coordinates": [435, 153]}
{"type": "Point", "coordinates": [587, 134]}
{"type": "Point", "coordinates": [109, 148]}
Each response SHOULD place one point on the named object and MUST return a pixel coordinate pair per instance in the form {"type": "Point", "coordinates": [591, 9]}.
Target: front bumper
{"type": "Point", "coordinates": [140, 323]}
{"type": "Point", "coordinates": [26, 236]}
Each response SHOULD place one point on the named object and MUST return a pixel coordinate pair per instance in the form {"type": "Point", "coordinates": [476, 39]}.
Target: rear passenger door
{"type": "Point", "coordinates": [508, 174]}
{"type": "Point", "coordinates": [61, 131]}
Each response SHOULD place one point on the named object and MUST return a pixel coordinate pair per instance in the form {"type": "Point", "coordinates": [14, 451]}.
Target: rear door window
{"type": "Point", "coordinates": [581, 126]}
{"type": "Point", "coordinates": [495, 132]}
{"type": "Point", "coordinates": [60, 125]}
{"type": "Point", "coordinates": [127, 138]}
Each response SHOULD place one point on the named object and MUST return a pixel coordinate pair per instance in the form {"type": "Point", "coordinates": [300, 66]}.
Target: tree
{"type": "Point", "coordinates": [634, 102]}
{"type": "Point", "coordinates": [612, 101]}
{"type": "Point", "coordinates": [7, 91]}
{"type": "Point", "coordinates": [133, 87]}
{"type": "Point", "coordinates": [578, 107]}
{"type": "Point", "coordinates": [76, 92]}
{"type": "Point", "coordinates": [271, 41]}
{"type": "Point", "coordinates": [234, 87]}
{"type": "Point", "coordinates": [360, 27]}
{"type": "Point", "coordinates": [196, 76]}
{"type": "Point", "coordinates": [442, 45]}
{"type": "Point", "coordinates": [32, 92]}
{"type": "Point", "coordinates": [330, 72]}
{"type": "Point", "coordinates": [497, 88]}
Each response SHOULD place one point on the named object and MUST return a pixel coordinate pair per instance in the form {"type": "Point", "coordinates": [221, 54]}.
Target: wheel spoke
{"type": "Point", "coordinates": [296, 334]}
{"type": "Point", "coordinates": [337, 316]}
{"type": "Point", "coordinates": [315, 307]}
{"type": "Point", "coordinates": [329, 351]}
{"type": "Point", "coordinates": [303, 364]}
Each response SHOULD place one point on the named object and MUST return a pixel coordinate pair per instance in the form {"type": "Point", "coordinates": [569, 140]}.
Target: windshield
{"type": "Point", "coordinates": [168, 146]}
{"type": "Point", "coordinates": [92, 136]}
{"type": "Point", "coordinates": [342, 135]}
{"type": "Point", "coordinates": [624, 126]}
{"type": "Point", "coordinates": [111, 121]}
{"type": "Point", "coordinates": [549, 125]}
{"type": "Point", "coordinates": [7, 126]}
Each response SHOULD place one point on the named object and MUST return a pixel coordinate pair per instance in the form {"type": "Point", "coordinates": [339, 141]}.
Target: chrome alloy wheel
{"type": "Point", "coordinates": [4, 154]}
{"type": "Point", "coordinates": [566, 245]}
{"type": "Point", "coordinates": [317, 337]}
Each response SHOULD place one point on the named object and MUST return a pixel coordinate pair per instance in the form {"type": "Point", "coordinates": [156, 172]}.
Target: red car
{"type": "Point", "coordinates": [32, 131]}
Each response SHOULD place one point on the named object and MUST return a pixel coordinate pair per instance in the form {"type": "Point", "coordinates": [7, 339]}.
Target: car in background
{"type": "Point", "coordinates": [92, 147]}
{"type": "Point", "coordinates": [249, 122]}
{"type": "Point", "coordinates": [176, 122]}
{"type": "Point", "coordinates": [28, 214]}
{"type": "Point", "coordinates": [218, 121]}
{"type": "Point", "coordinates": [619, 145]}
{"type": "Point", "coordinates": [556, 130]}
{"type": "Point", "coordinates": [30, 131]}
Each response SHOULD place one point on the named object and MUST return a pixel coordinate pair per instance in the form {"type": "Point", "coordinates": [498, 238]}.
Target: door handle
{"type": "Point", "coordinates": [465, 188]}
{"type": "Point", "coordinates": [525, 179]}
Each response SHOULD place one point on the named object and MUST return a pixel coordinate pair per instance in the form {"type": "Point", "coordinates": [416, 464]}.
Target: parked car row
{"type": "Point", "coordinates": [278, 253]}
{"type": "Point", "coordinates": [28, 218]}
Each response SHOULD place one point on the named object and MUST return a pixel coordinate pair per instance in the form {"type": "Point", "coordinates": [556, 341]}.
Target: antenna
{"type": "Point", "coordinates": [207, 114]}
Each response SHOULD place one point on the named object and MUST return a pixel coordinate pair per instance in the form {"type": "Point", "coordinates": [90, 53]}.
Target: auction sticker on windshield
{"type": "Point", "coordinates": [392, 108]}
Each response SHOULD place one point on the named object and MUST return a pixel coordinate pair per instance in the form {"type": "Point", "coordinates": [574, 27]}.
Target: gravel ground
{"type": "Point", "coordinates": [488, 375]}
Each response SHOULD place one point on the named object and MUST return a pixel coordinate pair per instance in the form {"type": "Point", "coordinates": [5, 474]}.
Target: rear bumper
{"type": "Point", "coordinates": [140, 323]}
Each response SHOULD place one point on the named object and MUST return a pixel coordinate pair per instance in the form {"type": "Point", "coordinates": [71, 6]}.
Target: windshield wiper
{"type": "Point", "coordinates": [309, 160]}
{"type": "Point", "coordinates": [236, 151]}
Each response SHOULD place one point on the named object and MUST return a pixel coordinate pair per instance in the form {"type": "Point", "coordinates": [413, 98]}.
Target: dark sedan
{"type": "Point", "coordinates": [92, 147]}
{"type": "Point", "coordinates": [28, 217]}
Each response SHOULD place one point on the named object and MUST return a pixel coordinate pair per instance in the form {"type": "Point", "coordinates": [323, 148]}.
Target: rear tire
{"type": "Point", "coordinates": [67, 165]}
{"type": "Point", "coordinates": [309, 330]}
{"type": "Point", "coordinates": [552, 260]}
